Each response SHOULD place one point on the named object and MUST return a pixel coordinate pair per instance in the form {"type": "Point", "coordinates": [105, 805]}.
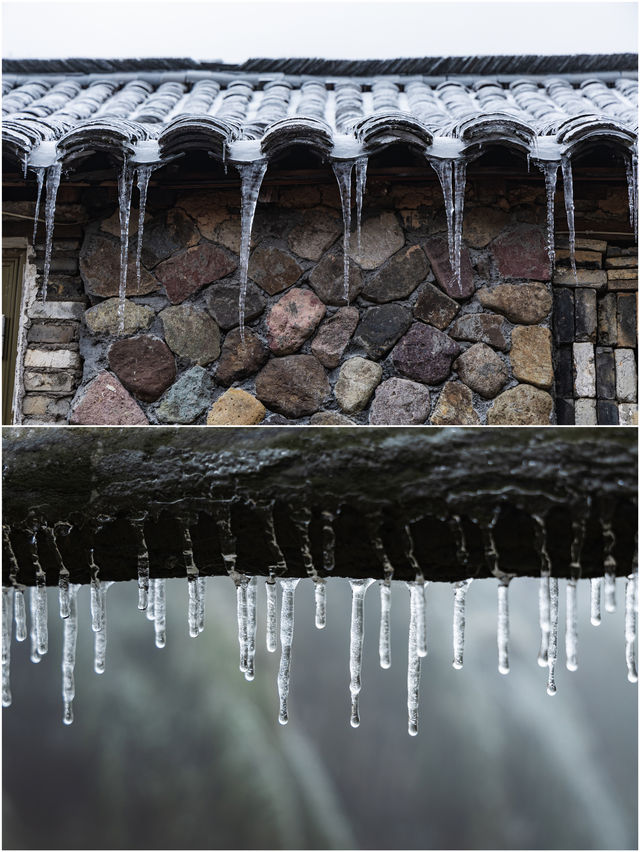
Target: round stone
{"type": "Point", "coordinates": [399, 402]}
{"type": "Point", "coordinates": [357, 380]}
{"type": "Point", "coordinates": [482, 369]}
{"type": "Point", "coordinates": [523, 405]}
{"type": "Point", "coordinates": [144, 365]}
{"type": "Point", "coordinates": [293, 319]}
{"type": "Point", "coordinates": [294, 386]}
{"type": "Point", "coordinates": [425, 354]}
{"type": "Point", "coordinates": [191, 333]}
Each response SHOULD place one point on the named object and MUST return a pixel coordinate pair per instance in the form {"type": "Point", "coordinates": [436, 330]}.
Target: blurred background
{"type": "Point", "coordinates": [173, 749]}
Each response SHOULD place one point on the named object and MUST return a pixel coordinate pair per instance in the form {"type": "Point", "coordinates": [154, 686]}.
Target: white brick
{"type": "Point", "coordinates": [52, 359]}
{"type": "Point", "coordinates": [584, 366]}
{"type": "Point", "coordinates": [626, 376]}
{"type": "Point", "coordinates": [628, 414]}
{"type": "Point", "coordinates": [56, 310]}
{"type": "Point", "coordinates": [585, 412]}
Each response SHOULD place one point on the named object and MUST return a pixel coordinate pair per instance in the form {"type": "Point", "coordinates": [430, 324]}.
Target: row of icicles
{"type": "Point", "coordinates": [152, 600]}
{"type": "Point", "coordinates": [451, 174]}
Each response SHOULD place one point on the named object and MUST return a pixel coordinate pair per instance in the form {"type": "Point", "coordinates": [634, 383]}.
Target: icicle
{"type": "Point", "coordinates": [544, 600]}
{"type": "Point", "coordinates": [144, 174]}
{"type": "Point", "coordinates": [33, 636]}
{"type": "Point", "coordinates": [160, 612]}
{"type": "Point", "coordinates": [444, 170]}
{"type": "Point", "coordinates": [567, 181]}
{"type": "Point", "coordinates": [384, 641]}
{"type": "Point", "coordinates": [328, 540]}
{"type": "Point", "coordinates": [610, 592]}
{"type": "Point", "coordinates": [54, 174]}
{"type": "Point", "coordinates": [342, 170]}
{"type": "Point", "coordinates": [571, 635]}
{"type": "Point", "coordinates": [70, 637]}
{"type": "Point", "coordinates": [288, 587]}
{"type": "Point", "coordinates": [125, 187]}
{"type": "Point", "coordinates": [192, 578]}
{"type": "Point", "coordinates": [241, 611]}
{"type": "Point", "coordinates": [460, 174]}
{"type": "Point", "coordinates": [552, 654]}
{"type": "Point", "coordinates": [251, 628]}
{"type": "Point", "coordinates": [361, 182]}
{"type": "Point", "coordinates": [63, 572]}
{"type": "Point", "coordinates": [201, 583]}
{"type": "Point", "coordinates": [459, 621]}
{"type": "Point", "coordinates": [97, 611]}
{"type": "Point", "coordinates": [413, 668]}
{"type": "Point", "coordinates": [320, 589]}
{"type": "Point", "coordinates": [151, 611]}
{"type": "Point", "coordinates": [550, 171]}
{"type": "Point", "coordinates": [251, 175]}
{"type": "Point", "coordinates": [407, 542]}
{"type": "Point", "coordinates": [7, 618]}
{"type": "Point", "coordinates": [630, 621]}
{"type": "Point", "coordinates": [631, 166]}
{"type": "Point", "coordinates": [40, 179]}
{"type": "Point", "coordinates": [20, 613]}
{"type": "Point", "coordinates": [596, 595]}
{"type": "Point", "coordinates": [358, 589]}
{"type": "Point", "coordinates": [272, 604]}
{"type": "Point", "coordinates": [610, 566]}
{"type": "Point", "coordinates": [42, 632]}
{"type": "Point", "coordinates": [143, 563]}
{"type": "Point", "coordinates": [100, 646]}
{"type": "Point", "coordinates": [503, 625]}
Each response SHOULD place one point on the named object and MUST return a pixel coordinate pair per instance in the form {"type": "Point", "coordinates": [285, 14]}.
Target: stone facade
{"type": "Point", "coordinates": [510, 344]}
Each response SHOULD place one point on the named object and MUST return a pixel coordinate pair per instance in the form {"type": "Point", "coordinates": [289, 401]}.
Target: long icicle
{"type": "Point", "coordinates": [241, 612]}
{"type": "Point", "coordinates": [100, 640]}
{"type": "Point", "coordinates": [343, 170]}
{"type": "Point", "coordinates": [503, 625]}
{"type": "Point", "coordinates": [143, 174]}
{"type": "Point", "coordinates": [374, 523]}
{"type": "Point", "coordinates": [33, 613]}
{"type": "Point", "coordinates": [408, 548]}
{"type": "Point", "coordinates": [288, 588]}
{"type": "Point", "coordinates": [460, 175]}
{"type": "Point", "coordinates": [550, 172]}
{"type": "Point", "coordinates": [361, 182]}
{"type": "Point", "coordinates": [631, 166]}
{"type": "Point", "coordinates": [69, 642]}
{"type": "Point", "coordinates": [40, 178]}
{"type": "Point", "coordinates": [444, 170]}
{"type": "Point", "coordinates": [150, 610]}
{"type": "Point", "coordinates": [64, 602]}
{"type": "Point", "coordinates": [567, 181]}
{"type": "Point", "coordinates": [19, 605]}
{"type": "Point", "coordinates": [251, 175]}
{"type": "Point", "coordinates": [192, 579]}
{"type": "Point", "coordinates": [202, 591]}
{"type": "Point", "coordinates": [97, 612]}
{"type": "Point", "coordinates": [272, 617]}
{"type": "Point", "coordinates": [251, 628]}
{"type": "Point", "coordinates": [160, 612]}
{"type": "Point", "coordinates": [222, 515]}
{"type": "Point", "coordinates": [41, 614]}
{"type": "Point", "coordinates": [54, 173]}
{"type": "Point", "coordinates": [7, 620]}
{"type": "Point", "coordinates": [596, 600]}
{"type": "Point", "coordinates": [544, 588]}
{"type": "Point", "coordinates": [413, 667]}
{"type": "Point", "coordinates": [580, 513]}
{"type": "Point", "coordinates": [552, 654]}
{"type": "Point", "coordinates": [630, 626]}
{"type": "Point", "coordinates": [143, 562]}
{"type": "Point", "coordinates": [125, 187]}
{"type": "Point", "coordinates": [301, 517]}
{"type": "Point", "coordinates": [358, 590]}
{"type": "Point", "coordinates": [459, 621]}
{"type": "Point", "coordinates": [277, 567]}
{"type": "Point", "coordinates": [609, 559]}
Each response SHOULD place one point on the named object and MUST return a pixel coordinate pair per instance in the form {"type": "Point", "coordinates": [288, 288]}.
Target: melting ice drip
{"type": "Point", "coordinates": [452, 175]}
{"type": "Point", "coordinates": [251, 175]}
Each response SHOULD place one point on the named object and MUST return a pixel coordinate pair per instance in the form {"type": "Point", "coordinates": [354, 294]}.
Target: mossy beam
{"type": "Point", "coordinates": [97, 480]}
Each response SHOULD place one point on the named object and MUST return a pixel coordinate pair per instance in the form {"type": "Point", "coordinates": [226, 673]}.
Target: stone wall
{"type": "Point", "coordinates": [411, 347]}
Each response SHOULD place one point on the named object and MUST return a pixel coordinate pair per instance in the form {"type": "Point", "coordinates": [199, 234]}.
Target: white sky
{"type": "Point", "coordinates": [235, 31]}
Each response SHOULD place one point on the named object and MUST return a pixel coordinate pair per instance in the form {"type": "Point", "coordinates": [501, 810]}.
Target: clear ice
{"type": "Point", "coordinates": [444, 170]}
{"type": "Point", "coordinates": [144, 174]}
{"type": "Point", "coordinates": [503, 625]}
{"type": "Point", "coordinates": [20, 613]}
{"type": "Point", "coordinates": [40, 179]}
{"type": "Point", "coordinates": [241, 610]}
{"type": "Point", "coordinates": [343, 170]}
{"type": "Point", "coordinates": [550, 171]}
{"type": "Point", "coordinates": [143, 564]}
{"type": "Point", "coordinates": [100, 638]}
{"type": "Point", "coordinates": [64, 601]}
{"type": "Point", "coordinates": [460, 176]}
{"type": "Point", "coordinates": [384, 640]}
{"type": "Point", "coordinates": [250, 654]}
{"type": "Point", "coordinates": [413, 667]}
{"type": "Point", "coordinates": [54, 173]}
{"type": "Point", "coordinates": [320, 590]}
{"type": "Point", "coordinates": [251, 175]}
{"type": "Point", "coordinates": [358, 589]}
{"type": "Point", "coordinates": [150, 610]}
{"type": "Point", "coordinates": [288, 587]}
{"type": "Point", "coordinates": [571, 628]}
{"type": "Point", "coordinates": [33, 637]}
{"type": "Point", "coordinates": [125, 187]}
{"type": "Point", "coordinates": [361, 182]}
{"type": "Point", "coordinates": [552, 654]}
{"type": "Point", "coordinates": [544, 589]}
{"type": "Point", "coordinates": [7, 621]}
{"type": "Point", "coordinates": [69, 641]}
{"type": "Point", "coordinates": [567, 181]}
{"type": "Point", "coordinates": [596, 598]}
{"type": "Point", "coordinates": [272, 614]}
{"type": "Point", "coordinates": [459, 621]}
{"type": "Point", "coordinates": [631, 165]}
{"type": "Point", "coordinates": [610, 566]}
{"type": "Point", "coordinates": [160, 612]}
{"type": "Point", "coordinates": [193, 610]}
{"type": "Point", "coordinates": [630, 625]}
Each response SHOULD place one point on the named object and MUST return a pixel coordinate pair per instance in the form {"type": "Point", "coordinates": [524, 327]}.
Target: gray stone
{"type": "Point", "coordinates": [318, 230]}
{"type": "Point", "coordinates": [381, 327]}
{"type": "Point", "coordinates": [100, 269]}
{"type": "Point", "coordinates": [381, 237]}
{"type": "Point", "coordinates": [330, 418]}
{"type": "Point", "coordinates": [425, 354]}
{"type": "Point", "coordinates": [399, 402]}
{"type": "Point", "coordinates": [399, 277]}
{"type": "Point", "coordinates": [294, 386]}
{"type": "Point", "coordinates": [523, 405]}
{"type": "Point", "coordinates": [523, 303]}
{"type": "Point", "coordinates": [584, 368]}
{"type": "Point", "coordinates": [327, 279]}
{"type": "Point", "coordinates": [481, 369]}
{"type": "Point", "coordinates": [240, 360]}
{"type": "Point", "coordinates": [435, 307]}
{"type": "Point", "coordinates": [273, 269]}
{"type": "Point", "coordinates": [455, 407]}
{"type": "Point", "coordinates": [167, 234]}
{"type": "Point", "coordinates": [483, 224]}
{"type": "Point", "coordinates": [585, 412]}
{"type": "Point", "coordinates": [103, 318]}
{"type": "Point", "coordinates": [357, 380]}
{"type": "Point", "coordinates": [586, 316]}
{"type": "Point", "coordinates": [626, 375]}
{"type": "Point", "coordinates": [481, 328]}
{"type": "Point", "coordinates": [628, 414]}
{"type": "Point", "coordinates": [333, 336]}
{"type": "Point", "coordinates": [187, 399]}
{"type": "Point", "coordinates": [222, 303]}
{"type": "Point", "coordinates": [191, 333]}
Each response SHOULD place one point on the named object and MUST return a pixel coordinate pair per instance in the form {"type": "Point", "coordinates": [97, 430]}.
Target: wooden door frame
{"type": "Point", "coordinates": [21, 247]}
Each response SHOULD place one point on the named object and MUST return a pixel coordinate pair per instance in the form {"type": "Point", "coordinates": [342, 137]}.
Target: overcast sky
{"type": "Point", "coordinates": [235, 31]}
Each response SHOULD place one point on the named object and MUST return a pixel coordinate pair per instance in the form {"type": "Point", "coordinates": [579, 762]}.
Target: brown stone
{"type": "Point", "coordinates": [481, 369]}
{"type": "Point", "coordinates": [273, 269]}
{"type": "Point", "coordinates": [399, 277]}
{"type": "Point", "coordinates": [521, 252]}
{"type": "Point", "coordinates": [239, 360]}
{"type": "Point", "coordinates": [522, 303]}
{"type": "Point", "coordinates": [209, 208]}
{"type": "Point", "coordinates": [112, 224]}
{"type": "Point", "coordinates": [523, 405]}
{"type": "Point", "coordinates": [434, 307]}
{"type": "Point", "coordinates": [531, 355]}
{"type": "Point", "coordinates": [437, 250]}
{"type": "Point", "coordinates": [334, 335]}
{"type": "Point", "coordinates": [330, 418]}
{"type": "Point", "coordinates": [455, 407]}
{"type": "Point", "coordinates": [292, 319]}
{"type": "Point", "coordinates": [481, 328]}
{"type": "Point", "coordinates": [327, 278]}
{"type": "Point", "coordinates": [185, 273]}
{"type": "Point", "coordinates": [236, 407]}
{"type": "Point", "coordinates": [167, 234]}
{"type": "Point", "coordinates": [381, 237]}
{"type": "Point", "coordinates": [299, 197]}
{"type": "Point", "coordinates": [622, 263]}
{"type": "Point", "coordinates": [483, 224]}
{"type": "Point", "coordinates": [588, 259]}
{"type": "Point", "coordinates": [191, 333]}
{"type": "Point", "coordinates": [425, 354]}
{"type": "Point", "coordinates": [144, 365]}
{"type": "Point", "coordinates": [223, 303]}
{"type": "Point", "coordinates": [318, 231]}
{"type": "Point", "coordinates": [100, 269]}
{"type": "Point", "coordinates": [294, 386]}
{"type": "Point", "coordinates": [106, 403]}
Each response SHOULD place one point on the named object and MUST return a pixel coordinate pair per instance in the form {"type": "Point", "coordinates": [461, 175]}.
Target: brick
{"type": "Point", "coordinates": [596, 278]}
{"type": "Point", "coordinates": [52, 333]}
{"type": "Point", "coordinates": [588, 259]}
{"type": "Point", "coordinates": [565, 413]}
{"type": "Point", "coordinates": [564, 371]}
{"type": "Point", "coordinates": [607, 412]}
{"type": "Point", "coordinates": [626, 375]}
{"type": "Point", "coordinates": [586, 315]}
{"type": "Point", "coordinates": [622, 263]}
{"type": "Point", "coordinates": [563, 316]}
{"type": "Point", "coordinates": [584, 370]}
{"type": "Point", "coordinates": [52, 359]}
{"type": "Point", "coordinates": [624, 284]}
{"type": "Point", "coordinates": [614, 274]}
{"type": "Point", "coordinates": [605, 373]}
{"type": "Point", "coordinates": [56, 310]}
{"type": "Point", "coordinates": [49, 382]}
{"type": "Point", "coordinates": [628, 414]}
{"type": "Point", "coordinates": [607, 320]}
{"type": "Point", "coordinates": [585, 412]}
{"type": "Point", "coordinates": [626, 315]}
{"type": "Point", "coordinates": [591, 245]}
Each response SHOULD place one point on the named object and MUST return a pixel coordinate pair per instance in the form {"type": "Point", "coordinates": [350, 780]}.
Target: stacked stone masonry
{"type": "Point", "coordinates": [515, 344]}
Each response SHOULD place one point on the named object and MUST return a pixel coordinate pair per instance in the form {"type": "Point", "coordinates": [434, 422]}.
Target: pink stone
{"type": "Point", "coordinates": [185, 273]}
{"type": "Point", "coordinates": [520, 252]}
{"type": "Point", "coordinates": [107, 403]}
{"type": "Point", "coordinates": [292, 319]}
